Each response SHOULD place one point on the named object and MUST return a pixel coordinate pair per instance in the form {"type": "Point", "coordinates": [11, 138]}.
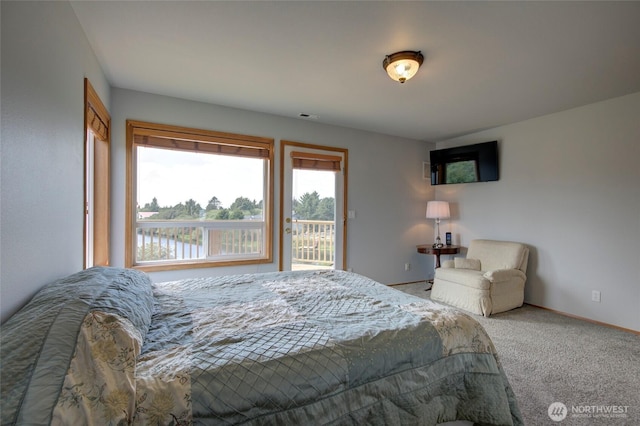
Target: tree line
{"type": "Point", "coordinates": [191, 209]}
{"type": "Point", "coordinates": [309, 207]}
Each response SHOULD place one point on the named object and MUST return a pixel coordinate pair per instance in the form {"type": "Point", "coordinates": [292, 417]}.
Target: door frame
{"type": "Point", "coordinates": [345, 155]}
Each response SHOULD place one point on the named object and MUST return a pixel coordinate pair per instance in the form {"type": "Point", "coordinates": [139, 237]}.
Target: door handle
{"type": "Point", "coordinates": [288, 220]}
{"type": "Point", "coordinates": [287, 230]}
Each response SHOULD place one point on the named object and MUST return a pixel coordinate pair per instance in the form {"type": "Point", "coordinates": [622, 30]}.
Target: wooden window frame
{"type": "Point", "coordinates": [195, 140]}
{"type": "Point", "coordinates": [98, 121]}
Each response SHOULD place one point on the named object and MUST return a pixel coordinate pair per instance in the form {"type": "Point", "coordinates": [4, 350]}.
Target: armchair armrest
{"type": "Point", "coordinates": [498, 275]}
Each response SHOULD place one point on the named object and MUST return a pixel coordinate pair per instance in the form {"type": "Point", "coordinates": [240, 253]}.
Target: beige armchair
{"type": "Point", "coordinates": [489, 280]}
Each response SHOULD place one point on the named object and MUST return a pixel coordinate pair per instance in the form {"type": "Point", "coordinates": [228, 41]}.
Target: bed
{"type": "Point", "coordinates": [106, 346]}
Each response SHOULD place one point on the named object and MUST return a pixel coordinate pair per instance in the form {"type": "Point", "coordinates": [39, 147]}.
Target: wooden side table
{"type": "Point", "coordinates": [429, 249]}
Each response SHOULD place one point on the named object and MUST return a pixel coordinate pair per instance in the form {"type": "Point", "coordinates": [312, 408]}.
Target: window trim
{"type": "Point", "coordinates": [97, 121]}
{"type": "Point", "coordinates": [187, 139]}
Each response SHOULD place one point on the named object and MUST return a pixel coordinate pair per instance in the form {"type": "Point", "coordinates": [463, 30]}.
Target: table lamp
{"type": "Point", "coordinates": [438, 210]}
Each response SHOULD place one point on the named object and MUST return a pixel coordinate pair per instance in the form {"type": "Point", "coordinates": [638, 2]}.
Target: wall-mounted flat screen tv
{"type": "Point", "coordinates": [464, 164]}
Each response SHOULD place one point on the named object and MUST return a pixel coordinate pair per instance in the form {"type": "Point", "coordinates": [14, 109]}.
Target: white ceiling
{"type": "Point", "coordinates": [486, 63]}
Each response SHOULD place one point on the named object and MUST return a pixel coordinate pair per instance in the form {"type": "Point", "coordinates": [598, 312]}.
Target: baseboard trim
{"type": "Point", "coordinates": [628, 330]}
{"type": "Point", "coordinates": [410, 282]}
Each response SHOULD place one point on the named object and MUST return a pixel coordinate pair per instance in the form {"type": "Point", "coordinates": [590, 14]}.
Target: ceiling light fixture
{"type": "Point", "coordinates": [401, 66]}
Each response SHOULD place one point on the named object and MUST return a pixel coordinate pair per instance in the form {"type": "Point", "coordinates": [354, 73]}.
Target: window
{"type": "Point", "coordinates": [197, 198]}
{"type": "Point", "coordinates": [96, 201]}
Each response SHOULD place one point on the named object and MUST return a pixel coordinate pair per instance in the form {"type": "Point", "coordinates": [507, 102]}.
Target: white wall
{"type": "Point", "coordinates": [385, 185]}
{"type": "Point", "coordinates": [45, 57]}
{"type": "Point", "coordinates": [569, 188]}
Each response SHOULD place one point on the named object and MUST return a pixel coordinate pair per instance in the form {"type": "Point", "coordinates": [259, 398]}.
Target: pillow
{"type": "Point", "coordinates": [462, 263]}
{"type": "Point", "coordinates": [38, 342]}
{"type": "Point", "coordinates": [100, 382]}
{"type": "Point", "coordinates": [126, 293]}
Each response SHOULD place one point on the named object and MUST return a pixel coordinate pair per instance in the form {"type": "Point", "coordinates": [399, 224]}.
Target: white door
{"type": "Point", "coordinates": [313, 207]}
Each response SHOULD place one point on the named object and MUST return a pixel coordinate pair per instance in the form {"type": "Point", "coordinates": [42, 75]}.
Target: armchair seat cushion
{"type": "Point", "coordinates": [465, 277]}
{"type": "Point", "coordinates": [497, 286]}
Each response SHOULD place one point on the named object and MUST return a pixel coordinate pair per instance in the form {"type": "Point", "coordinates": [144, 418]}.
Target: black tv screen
{"type": "Point", "coordinates": [464, 164]}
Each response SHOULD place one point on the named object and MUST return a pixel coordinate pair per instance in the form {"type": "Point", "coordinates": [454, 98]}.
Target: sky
{"type": "Point", "coordinates": [176, 176]}
{"type": "Point", "coordinates": [308, 181]}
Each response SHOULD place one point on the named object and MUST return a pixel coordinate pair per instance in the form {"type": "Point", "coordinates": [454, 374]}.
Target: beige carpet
{"type": "Point", "coordinates": [549, 358]}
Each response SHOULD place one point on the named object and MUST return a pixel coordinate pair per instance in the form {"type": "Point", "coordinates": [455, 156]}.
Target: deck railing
{"type": "Point", "coordinates": [313, 241]}
{"type": "Point", "coordinates": [190, 240]}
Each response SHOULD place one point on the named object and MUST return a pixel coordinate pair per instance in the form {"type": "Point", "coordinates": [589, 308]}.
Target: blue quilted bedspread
{"type": "Point", "coordinates": [314, 347]}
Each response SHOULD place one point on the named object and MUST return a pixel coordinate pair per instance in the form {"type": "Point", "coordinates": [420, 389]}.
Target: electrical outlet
{"type": "Point", "coordinates": [595, 296]}
{"type": "Point", "coordinates": [407, 266]}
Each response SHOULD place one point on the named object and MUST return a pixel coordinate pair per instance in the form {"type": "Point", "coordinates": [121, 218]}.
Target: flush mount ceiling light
{"type": "Point", "coordinates": [401, 66]}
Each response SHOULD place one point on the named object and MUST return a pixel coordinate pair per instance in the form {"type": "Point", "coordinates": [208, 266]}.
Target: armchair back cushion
{"type": "Point", "coordinates": [499, 255]}
{"type": "Point", "coordinates": [468, 263]}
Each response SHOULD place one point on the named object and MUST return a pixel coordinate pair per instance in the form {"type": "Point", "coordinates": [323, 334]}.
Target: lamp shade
{"type": "Point", "coordinates": [438, 210]}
